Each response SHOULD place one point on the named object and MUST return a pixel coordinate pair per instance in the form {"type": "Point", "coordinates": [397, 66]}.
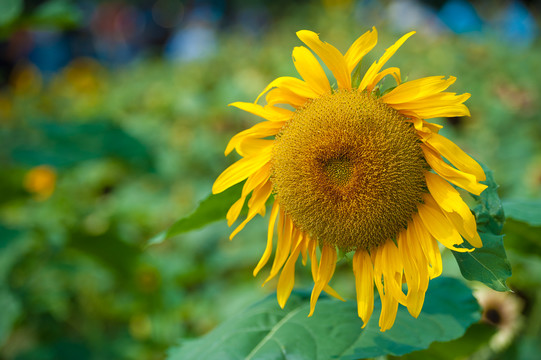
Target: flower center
{"type": "Point", "coordinates": [349, 170]}
{"type": "Point", "coordinates": [338, 170]}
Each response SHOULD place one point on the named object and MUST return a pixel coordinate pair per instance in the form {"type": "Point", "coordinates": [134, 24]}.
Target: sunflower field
{"type": "Point", "coordinates": [388, 191]}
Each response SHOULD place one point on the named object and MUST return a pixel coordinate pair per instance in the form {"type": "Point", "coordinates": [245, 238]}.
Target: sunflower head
{"type": "Point", "coordinates": [353, 170]}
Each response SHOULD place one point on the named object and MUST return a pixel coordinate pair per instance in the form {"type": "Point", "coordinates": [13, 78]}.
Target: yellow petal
{"type": "Point", "coordinates": [394, 71]}
{"type": "Point", "coordinates": [304, 248]}
{"type": "Point", "coordinates": [360, 48]}
{"type": "Point", "coordinates": [464, 180]}
{"type": "Point", "coordinates": [416, 269]}
{"type": "Point", "coordinates": [454, 208]}
{"type": "Point", "coordinates": [439, 105]}
{"type": "Point", "coordinates": [364, 284]}
{"type": "Point", "coordinates": [327, 265]}
{"type": "Point", "coordinates": [330, 291]}
{"type": "Point", "coordinates": [292, 84]}
{"type": "Point", "coordinates": [283, 247]}
{"type": "Point", "coordinates": [287, 277]}
{"type": "Point", "coordinates": [257, 201]}
{"type": "Point", "coordinates": [241, 169]}
{"type": "Point", "coordinates": [392, 269]}
{"type": "Point", "coordinates": [234, 211]}
{"type": "Point", "coordinates": [285, 96]}
{"type": "Point", "coordinates": [270, 113]}
{"type": "Point", "coordinates": [260, 130]}
{"type": "Point", "coordinates": [374, 69]}
{"type": "Point", "coordinates": [435, 112]}
{"type": "Point", "coordinates": [311, 71]}
{"type": "Point", "coordinates": [330, 56]}
{"type": "Point", "coordinates": [438, 225]}
{"type": "Point", "coordinates": [410, 270]}
{"type": "Point", "coordinates": [389, 307]}
{"type": "Point", "coordinates": [268, 249]}
{"type": "Point", "coordinates": [455, 155]}
{"type": "Point", "coordinates": [417, 89]}
{"type": "Point", "coordinates": [313, 258]}
{"type": "Point", "coordinates": [424, 127]}
{"type": "Point", "coordinates": [252, 146]}
{"type": "Point", "coordinates": [428, 245]}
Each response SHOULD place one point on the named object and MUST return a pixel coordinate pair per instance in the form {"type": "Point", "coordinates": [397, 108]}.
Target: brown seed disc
{"type": "Point", "coordinates": [349, 170]}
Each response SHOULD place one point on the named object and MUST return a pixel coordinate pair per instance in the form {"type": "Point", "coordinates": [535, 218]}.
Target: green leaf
{"type": "Point", "coordinates": [264, 331]}
{"type": "Point", "coordinates": [528, 211]}
{"type": "Point", "coordinates": [212, 209]}
{"type": "Point", "coordinates": [10, 10]}
{"type": "Point", "coordinates": [489, 211]}
{"type": "Point", "coordinates": [488, 264]}
{"type": "Point", "coordinates": [475, 337]}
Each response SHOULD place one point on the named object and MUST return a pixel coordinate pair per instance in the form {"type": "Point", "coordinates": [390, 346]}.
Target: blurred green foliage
{"type": "Point", "coordinates": [135, 148]}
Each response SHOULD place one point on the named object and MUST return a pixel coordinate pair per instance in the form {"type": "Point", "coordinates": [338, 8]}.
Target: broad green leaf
{"type": "Point", "coordinates": [264, 331]}
{"type": "Point", "coordinates": [528, 211]}
{"type": "Point", "coordinates": [212, 209]}
{"type": "Point", "coordinates": [488, 264]}
{"type": "Point", "coordinates": [477, 336]}
{"type": "Point", "coordinates": [489, 211]}
{"type": "Point", "coordinates": [9, 10]}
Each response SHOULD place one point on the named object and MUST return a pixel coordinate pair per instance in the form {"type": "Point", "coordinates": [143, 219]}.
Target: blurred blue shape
{"type": "Point", "coordinates": [517, 25]}
{"type": "Point", "coordinates": [196, 39]}
{"type": "Point", "coordinates": [50, 51]}
{"type": "Point", "coordinates": [461, 17]}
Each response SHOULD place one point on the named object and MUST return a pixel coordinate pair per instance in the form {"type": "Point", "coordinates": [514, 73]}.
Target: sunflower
{"type": "Point", "coordinates": [353, 168]}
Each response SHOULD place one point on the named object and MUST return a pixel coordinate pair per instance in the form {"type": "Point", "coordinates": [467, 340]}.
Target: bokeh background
{"type": "Point", "coordinates": [113, 122]}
